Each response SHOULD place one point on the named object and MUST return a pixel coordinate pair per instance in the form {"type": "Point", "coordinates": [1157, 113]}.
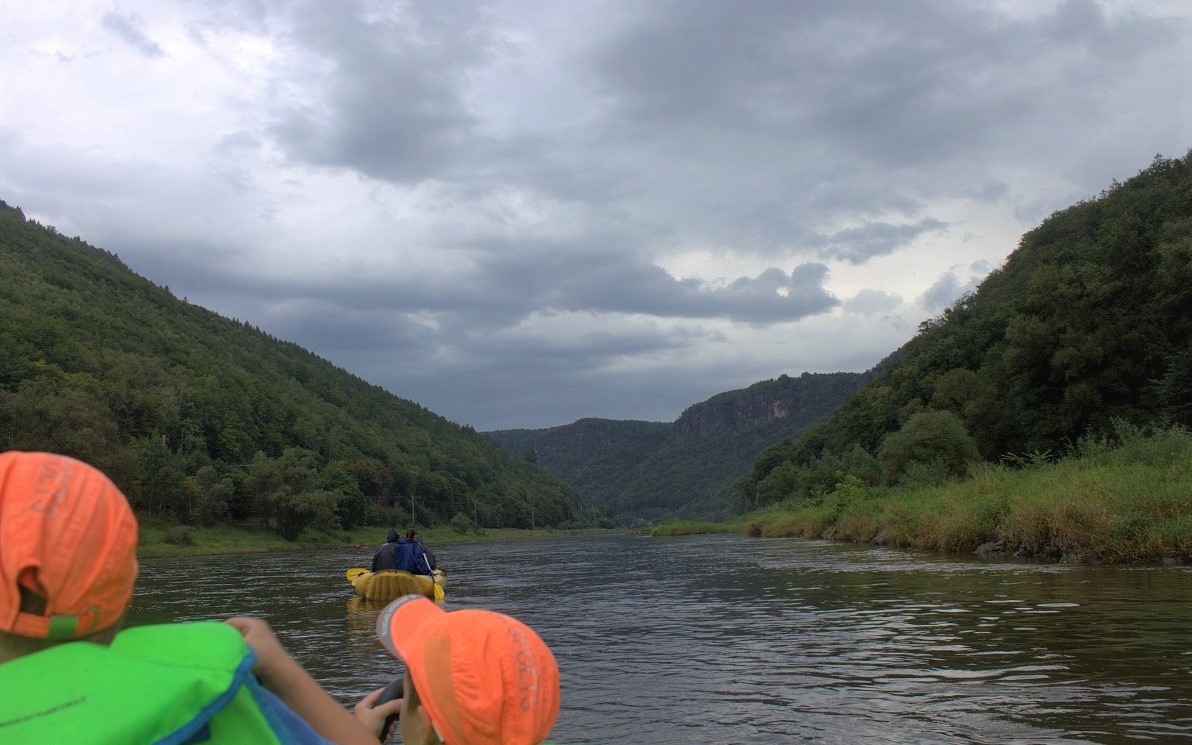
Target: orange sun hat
{"type": "Point", "coordinates": [484, 678]}
{"type": "Point", "coordinates": [68, 541]}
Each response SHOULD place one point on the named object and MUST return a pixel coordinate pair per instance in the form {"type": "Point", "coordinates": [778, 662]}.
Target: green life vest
{"type": "Point", "coordinates": [175, 683]}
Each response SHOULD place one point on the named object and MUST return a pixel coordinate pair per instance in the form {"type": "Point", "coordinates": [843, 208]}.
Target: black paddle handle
{"type": "Point", "coordinates": [394, 690]}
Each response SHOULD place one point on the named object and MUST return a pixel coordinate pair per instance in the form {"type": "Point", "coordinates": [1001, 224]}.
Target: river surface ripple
{"type": "Point", "coordinates": [721, 639]}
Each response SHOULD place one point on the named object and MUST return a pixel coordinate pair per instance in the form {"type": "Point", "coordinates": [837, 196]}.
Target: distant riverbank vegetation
{"type": "Point", "coordinates": [167, 538]}
{"type": "Point", "coordinates": [1116, 499]}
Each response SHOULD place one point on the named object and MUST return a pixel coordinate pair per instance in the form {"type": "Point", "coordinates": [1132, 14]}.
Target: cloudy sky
{"type": "Point", "coordinates": [520, 213]}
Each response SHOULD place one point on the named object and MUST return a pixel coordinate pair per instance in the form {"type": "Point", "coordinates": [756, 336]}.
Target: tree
{"type": "Point", "coordinates": [294, 512]}
{"type": "Point", "coordinates": [926, 438]}
{"type": "Point", "coordinates": [288, 492]}
{"type": "Point", "coordinates": [160, 479]}
{"type": "Point", "coordinates": [351, 508]}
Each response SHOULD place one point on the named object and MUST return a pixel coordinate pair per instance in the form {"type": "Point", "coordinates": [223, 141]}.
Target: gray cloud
{"type": "Point", "coordinates": [387, 98]}
{"type": "Point", "coordinates": [581, 379]}
{"type": "Point", "coordinates": [951, 286]}
{"type": "Point", "coordinates": [906, 84]}
{"type": "Point", "coordinates": [506, 288]}
{"type": "Point", "coordinates": [872, 302]}
{"type": "Point", "coordinates": [860, 244]}
{"type": "Point", "coordinates": [941, 294]}
{"type": "Point", "coordinates": [130, 29]}
{"type": "Point", "coordinates": [609, 283]}
{"type": "Point", "coordinates": [238, 140]}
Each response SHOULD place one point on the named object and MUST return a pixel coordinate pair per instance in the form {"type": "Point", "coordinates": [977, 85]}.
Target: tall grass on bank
{"type": "Point", "coordinates": [1120, 502]}
{"type": "Point", "coordinates": [691, 527]}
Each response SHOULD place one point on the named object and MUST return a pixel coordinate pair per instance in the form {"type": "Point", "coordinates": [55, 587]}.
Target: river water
{"type": "Point", "coordinates": [723, 639]}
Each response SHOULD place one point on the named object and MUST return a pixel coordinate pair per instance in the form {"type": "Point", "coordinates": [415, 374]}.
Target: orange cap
{"type": "Point", "coordinates": [483, 677]}
{"type": "Point", "coordinates": [67, 535]}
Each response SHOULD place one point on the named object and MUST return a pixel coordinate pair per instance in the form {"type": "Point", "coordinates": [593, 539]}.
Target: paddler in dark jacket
{"type": "Point", "coordinates": [386, 555]}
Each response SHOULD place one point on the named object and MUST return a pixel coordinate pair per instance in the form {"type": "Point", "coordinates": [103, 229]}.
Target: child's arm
{"type": "Point", "coordinates": [281, 674]}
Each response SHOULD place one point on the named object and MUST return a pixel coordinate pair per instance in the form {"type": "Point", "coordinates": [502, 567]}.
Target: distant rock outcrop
{"type": "Point", "coordinates": [762, 402]}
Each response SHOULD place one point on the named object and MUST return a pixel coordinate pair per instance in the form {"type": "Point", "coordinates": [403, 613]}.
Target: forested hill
{"type": "Point", "coordinates": [687, 468]}
{"type": "Point", "coordinates": [1086, 329]}
{"type": "Point", "coordinates": [204, 419]}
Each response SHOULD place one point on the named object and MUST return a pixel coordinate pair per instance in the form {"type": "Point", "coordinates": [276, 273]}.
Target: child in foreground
{"type": "Point", "coordinates": [67, 674]}
{"type": "Point", "coordinates": [472, 677]}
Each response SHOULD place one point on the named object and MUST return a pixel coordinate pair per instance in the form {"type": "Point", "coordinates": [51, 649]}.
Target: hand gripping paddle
{"type": "Point", "coordinates": [395, 689]}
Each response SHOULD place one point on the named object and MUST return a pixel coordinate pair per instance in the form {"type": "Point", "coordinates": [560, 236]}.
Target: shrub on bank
{"type": "Point", "coordinates": [688, 527]}
{"type": "Point", "coordinates": [179, 535]}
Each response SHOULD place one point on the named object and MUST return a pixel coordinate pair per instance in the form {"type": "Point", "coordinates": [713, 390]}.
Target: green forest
{"type": "Point", "coordinates": [201, 419]}
{"type": "Point", "coordinates": [1084, 333]}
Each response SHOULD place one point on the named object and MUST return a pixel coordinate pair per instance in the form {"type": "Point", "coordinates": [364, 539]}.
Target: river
{"type": "Point", "coordinates": [723, 639]}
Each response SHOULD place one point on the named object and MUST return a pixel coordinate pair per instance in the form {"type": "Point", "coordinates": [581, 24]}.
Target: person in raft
{"type": "Point", "coordinates": [386, 555]}
{"type": "Point", "coordinates": [68, 564]}
{"type": "Point", "coordinates": [405, 554]}
{"type": "Point", "coordinates": [428, 558]}
{"type": "Point", "coordinates": [472, 677]}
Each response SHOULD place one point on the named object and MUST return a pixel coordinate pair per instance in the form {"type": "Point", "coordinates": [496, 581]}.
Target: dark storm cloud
{"type": "Point", "coordinates": [500, 380]}
{"type": "Point", "coordinates": [503, 289]}
{"type": "Point", "coordinates": [467, 397]}
{"type": "Point", "coordinates": [387, 94]}
{"type": "Point", "coordinates": [389, 98]}
{"type": "Point", "coordinates": [130, 28]}
{"type": "Point", "coordinates": [580, 378]}
{"type": "Point", "coordinates": [795, 102]}
{"type": "Point", "coordinates": [910, 82]}
{"type": "Point", "coordinates": [660, 397]}
{"type": "Point", "coordinates": [622, 282]}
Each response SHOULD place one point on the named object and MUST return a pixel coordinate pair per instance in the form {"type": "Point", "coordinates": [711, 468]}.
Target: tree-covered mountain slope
{"type": "Point", "coordinates": [202, 418]}
{"type": "Point", "coordinates": [1086, 325]}
{"type": "Point", "coordinates": [686, 468]}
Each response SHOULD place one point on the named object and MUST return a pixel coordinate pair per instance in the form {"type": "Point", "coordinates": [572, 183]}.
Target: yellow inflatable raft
{"type": "Point", "coordinates": [388, 584]}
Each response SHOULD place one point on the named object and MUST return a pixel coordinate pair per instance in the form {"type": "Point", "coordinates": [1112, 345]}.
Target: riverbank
{"type": "Point", "coordinates": [1127, 503]}
{"type": "Point", "coordinates": [167, 539]}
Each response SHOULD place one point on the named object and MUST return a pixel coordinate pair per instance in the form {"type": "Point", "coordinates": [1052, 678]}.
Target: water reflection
{"type": "Point", "coordinates": [724, 640]}
{"type": "Point", "coordinates": [362, 614]}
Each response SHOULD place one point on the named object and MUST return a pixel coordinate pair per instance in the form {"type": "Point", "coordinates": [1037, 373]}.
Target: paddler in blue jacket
{"type": "Point", "coordinates": [411, 557]}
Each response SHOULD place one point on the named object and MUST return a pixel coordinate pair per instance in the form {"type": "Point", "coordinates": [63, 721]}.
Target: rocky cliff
{"type": "Point", "coordinates": [808, 396]}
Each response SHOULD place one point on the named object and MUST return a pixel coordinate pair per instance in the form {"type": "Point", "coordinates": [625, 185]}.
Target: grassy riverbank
{"type": "Point", "coordinates": [158, 539]}
{"type": "Point", "coordinates": [1111, 504]}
